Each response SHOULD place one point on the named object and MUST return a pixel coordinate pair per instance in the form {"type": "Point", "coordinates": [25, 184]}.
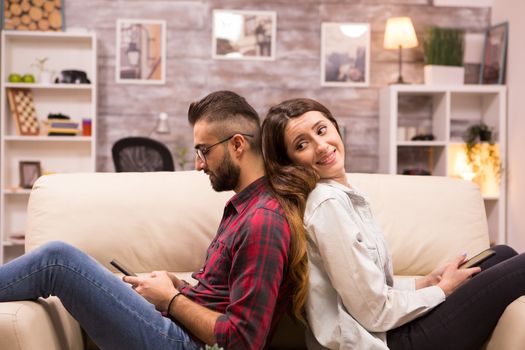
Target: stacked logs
{"type": "Point", "coordinates": [33, 14]}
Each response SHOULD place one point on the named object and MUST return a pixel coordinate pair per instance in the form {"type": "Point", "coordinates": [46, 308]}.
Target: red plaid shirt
{"type": "Point", "coordinates": [246, 268]}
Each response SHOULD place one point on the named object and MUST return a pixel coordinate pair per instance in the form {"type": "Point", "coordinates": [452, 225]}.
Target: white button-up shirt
{"type": "Point", "coordinates": [352, 298]}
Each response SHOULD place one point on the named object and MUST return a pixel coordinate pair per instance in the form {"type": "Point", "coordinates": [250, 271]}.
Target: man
{"type": "Point", "coordinates": [243, 287]}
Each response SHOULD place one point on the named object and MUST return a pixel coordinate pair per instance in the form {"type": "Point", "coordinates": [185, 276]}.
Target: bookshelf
{"type": "Point", "coordinates": [445, 112]}
{"type": "Point", "coordinates": [56, 154]}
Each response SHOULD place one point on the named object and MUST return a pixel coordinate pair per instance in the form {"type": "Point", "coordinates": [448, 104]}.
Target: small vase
{"type": "Point", "coordinates": [45, 77]}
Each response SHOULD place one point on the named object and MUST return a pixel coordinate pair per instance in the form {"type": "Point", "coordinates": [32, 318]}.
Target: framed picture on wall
{"type": "Point", "coordinates": [345, 54]}
{"type": "Point", "coordinates": [494, 55]}
{"type": "Point", "coordinates": [141, 51]}
{"type": "Point", "coordinates": [244, 34]}
{"type": "Point", "coordinates": [29, 172]}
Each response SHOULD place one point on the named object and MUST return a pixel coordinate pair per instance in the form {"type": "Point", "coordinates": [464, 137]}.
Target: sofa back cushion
{"type": "Point", "coordinates": [148, 221]}
{"type": "Point", "coordinates": [427, 220]}
{"type": "Point", "coordinates": [165, 220]}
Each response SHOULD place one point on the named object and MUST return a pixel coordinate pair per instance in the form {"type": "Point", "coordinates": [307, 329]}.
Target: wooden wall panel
{"type": "Point", "coordinates": [126, 110]}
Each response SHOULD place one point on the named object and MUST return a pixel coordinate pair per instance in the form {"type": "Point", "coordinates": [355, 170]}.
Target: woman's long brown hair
{"type": "Point", "coordinates": [291, 184]}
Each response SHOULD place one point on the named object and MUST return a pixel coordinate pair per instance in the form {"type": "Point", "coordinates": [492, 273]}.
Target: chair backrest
{"type": "Point", "coordinates": [140, 154]}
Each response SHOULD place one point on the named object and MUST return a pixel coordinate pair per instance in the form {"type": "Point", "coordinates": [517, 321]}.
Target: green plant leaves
{"type": "Point", "coordinates": [444, 46]}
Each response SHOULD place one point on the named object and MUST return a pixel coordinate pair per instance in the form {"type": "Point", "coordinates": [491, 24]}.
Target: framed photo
{"type": "Point", "coordinates": [494, 55]}
{"type": "Point", "coordinates": [141, 51]}
{"type": "Point", "coordinates": [34, 15]}
{"type": "Point", "coordinates": [29, 172]}
{"type": "Point", "coordinates": [244, 34]}
{"type": "Point", "coordinates": [345, 54]}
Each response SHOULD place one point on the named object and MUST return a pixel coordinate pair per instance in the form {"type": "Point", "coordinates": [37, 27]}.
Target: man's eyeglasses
{"type": "Point", "coordinates": [202, 151]}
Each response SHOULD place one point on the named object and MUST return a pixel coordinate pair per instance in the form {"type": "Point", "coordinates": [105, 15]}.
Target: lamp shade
{"type": "Point", "coordinates": [399, 32]}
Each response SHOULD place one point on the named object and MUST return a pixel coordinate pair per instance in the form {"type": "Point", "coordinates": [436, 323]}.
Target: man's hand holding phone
{"type": "Point", "coordinates": [122, 268]}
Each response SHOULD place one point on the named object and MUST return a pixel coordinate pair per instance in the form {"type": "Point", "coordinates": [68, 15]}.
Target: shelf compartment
{"type": "Point", "coordinates": [422, 113]}
{"type": "Point", "coordinates": [469, 109]}
{"type": "Point", "coordinates": [75, 103]}
{"type": "Point", "coordinates": [54, 157]}
{"type": "Point", "coordinates": [459, 167]}
{"type": "Point", "coordinates": [63, 50]}
{"type": "Point", "coordinates": [430, 159]}
{"type": "Point", "coordinates": [13, 220]}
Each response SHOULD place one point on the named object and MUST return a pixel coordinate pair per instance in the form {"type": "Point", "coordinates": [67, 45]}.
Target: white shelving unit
{"type": "Point", "coordinates": [445, 112]}
{"type": "Point", "coordinates": [56, 154]}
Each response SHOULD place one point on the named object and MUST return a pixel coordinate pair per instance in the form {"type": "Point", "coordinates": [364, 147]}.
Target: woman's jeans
{"type": "Point", "coordinates": [112, 314]}
{"type": "Point", "coordinates": [467, 317]}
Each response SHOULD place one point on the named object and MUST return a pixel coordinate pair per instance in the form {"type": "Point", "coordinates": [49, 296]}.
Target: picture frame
{"type": "Point", "coordinates": [345, 54]}
{"type": "Point", "coordinates": [30, 171]}
{"type": "Point", "coordinates": [140, 51]}
{"type": "Point", "coordinates": [244, 35]}
{"type": "Point", "coordinates": [493, 63]}
{"type": "Point", "coordinates": [48, 16]}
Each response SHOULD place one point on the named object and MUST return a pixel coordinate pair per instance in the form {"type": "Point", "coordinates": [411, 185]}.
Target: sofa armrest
{"type": "Point", "coordinates": [41, 324]}
{"type": "Point", "coordinates": [508, 333]}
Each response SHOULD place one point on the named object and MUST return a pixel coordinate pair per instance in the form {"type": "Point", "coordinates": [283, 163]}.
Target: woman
{"type": "Point", "coordinates": [353, 301]}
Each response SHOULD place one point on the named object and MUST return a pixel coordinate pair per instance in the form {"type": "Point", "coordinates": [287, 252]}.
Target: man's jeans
{"type": "Point", "coordinates": [113, 314]}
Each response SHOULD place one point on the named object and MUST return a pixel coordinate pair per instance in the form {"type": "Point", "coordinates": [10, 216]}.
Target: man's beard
{"type": "Point", "coordinates": [226, 177]}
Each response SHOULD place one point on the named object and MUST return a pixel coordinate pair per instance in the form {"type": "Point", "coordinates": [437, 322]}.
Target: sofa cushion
{"type": "Point", "coordinates": [148, 221]}
{"type": "Point", "coordinates": [427, 220]}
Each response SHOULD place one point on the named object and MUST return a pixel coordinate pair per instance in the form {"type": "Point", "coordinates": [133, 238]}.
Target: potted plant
{"type": "Point", "coordinates": [443, 48]}
{"type": "Point", "coordinates": [482, 154]}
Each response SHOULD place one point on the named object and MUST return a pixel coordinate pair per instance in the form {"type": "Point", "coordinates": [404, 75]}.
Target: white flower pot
{"type": "Point", "coordinates": [45, 77]}
{"type": "Point", "coordinates": [444, 75]}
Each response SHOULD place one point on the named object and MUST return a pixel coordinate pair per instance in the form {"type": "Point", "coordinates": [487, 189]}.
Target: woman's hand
{"type": "Point", "coordinates": [452, 277]}
{"type": "Point", "coordinates": [431, 279]}
{"type": "Point", "coordinates": [158, 288]}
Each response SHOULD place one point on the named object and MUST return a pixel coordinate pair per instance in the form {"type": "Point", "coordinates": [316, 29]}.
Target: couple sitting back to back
{"type": "Point", "coordinates": [295, 236]}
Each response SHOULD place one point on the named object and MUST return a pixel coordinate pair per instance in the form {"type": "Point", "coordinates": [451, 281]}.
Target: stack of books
{"type": "Point", "coordinates": [61, 127]}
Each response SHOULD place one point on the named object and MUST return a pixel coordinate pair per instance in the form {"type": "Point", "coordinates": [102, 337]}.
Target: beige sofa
{"type": "Point", "coordinates": [154, 221]}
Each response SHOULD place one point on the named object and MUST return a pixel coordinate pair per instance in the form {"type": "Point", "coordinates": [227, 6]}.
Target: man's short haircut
{"type": "Point", "coordinates": [232, 114]}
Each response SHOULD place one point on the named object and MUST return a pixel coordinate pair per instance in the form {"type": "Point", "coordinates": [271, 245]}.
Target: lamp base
{"type": "Point", "coordinates": [400, 63]}
{"type": "Point", "coordinates": [399, 81]}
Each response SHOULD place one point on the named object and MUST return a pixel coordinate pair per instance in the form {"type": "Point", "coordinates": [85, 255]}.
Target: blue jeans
{"type": "Point", "coordinates": [112, 314]}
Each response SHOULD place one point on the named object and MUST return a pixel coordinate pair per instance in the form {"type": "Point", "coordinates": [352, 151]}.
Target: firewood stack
{"type": "Point", "coordinates": [42, 15]}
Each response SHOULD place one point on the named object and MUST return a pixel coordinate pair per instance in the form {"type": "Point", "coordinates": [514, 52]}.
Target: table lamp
{"type": "Point", "coordinates": [399, 34]}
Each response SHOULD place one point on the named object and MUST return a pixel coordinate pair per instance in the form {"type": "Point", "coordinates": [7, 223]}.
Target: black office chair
{"type": "Point", "coordinates": [141, 154]}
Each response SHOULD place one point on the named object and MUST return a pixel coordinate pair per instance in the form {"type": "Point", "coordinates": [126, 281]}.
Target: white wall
{"type": "Point", "coordinates": [513, 11]}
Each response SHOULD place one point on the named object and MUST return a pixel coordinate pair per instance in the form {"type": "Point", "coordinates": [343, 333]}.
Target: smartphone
{"type": "Point", "coordinates": [122, 268]}
{"type": "Point", "coordinates": [477, 259]}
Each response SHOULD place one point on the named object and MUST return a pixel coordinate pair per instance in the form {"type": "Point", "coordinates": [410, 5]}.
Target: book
{"type": "Point", "coordinates": [60, 127]}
